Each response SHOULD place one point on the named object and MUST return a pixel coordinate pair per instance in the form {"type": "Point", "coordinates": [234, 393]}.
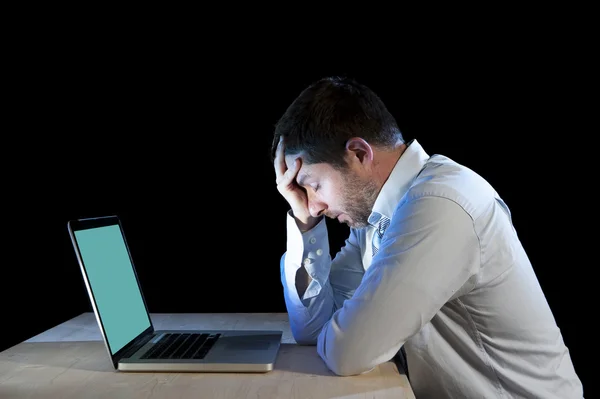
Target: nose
{"type": "Point", "coordinates": [316, 208]}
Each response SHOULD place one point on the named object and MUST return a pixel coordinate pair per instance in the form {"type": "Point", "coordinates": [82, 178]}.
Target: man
{"type": "Point", "coordinates": [432, 264]}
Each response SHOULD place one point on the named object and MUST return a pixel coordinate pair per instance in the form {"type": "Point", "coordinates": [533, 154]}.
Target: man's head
{"type": "Point", "coordinates": [347, 140]}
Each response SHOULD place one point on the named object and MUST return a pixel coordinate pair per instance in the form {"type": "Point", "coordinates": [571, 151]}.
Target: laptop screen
{"type": "Point", "coordinates": [113, 284]}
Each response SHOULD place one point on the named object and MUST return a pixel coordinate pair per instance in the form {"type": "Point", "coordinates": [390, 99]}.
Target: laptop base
{"type": "Point", "coordinates": [239, 351]}
{"type": "Point", "coordinates": [191, 367]}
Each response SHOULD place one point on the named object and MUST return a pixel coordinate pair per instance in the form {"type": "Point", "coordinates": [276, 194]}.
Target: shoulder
{"type": "Point", "coordinates": [442, 177]}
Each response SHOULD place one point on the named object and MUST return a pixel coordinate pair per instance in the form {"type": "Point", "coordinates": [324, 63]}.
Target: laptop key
{"type": "Point", "coordinates": [197, 343]}
{"type": "Point", "coordinates": [210, 341]}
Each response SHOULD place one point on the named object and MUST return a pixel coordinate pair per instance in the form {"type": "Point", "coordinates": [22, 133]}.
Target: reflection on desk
{"type": "Point", "coordinates": [70, 361]}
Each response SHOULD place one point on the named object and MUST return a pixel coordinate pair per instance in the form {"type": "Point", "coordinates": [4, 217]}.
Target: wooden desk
{"type": "Point", "coordinates": [70, 361]}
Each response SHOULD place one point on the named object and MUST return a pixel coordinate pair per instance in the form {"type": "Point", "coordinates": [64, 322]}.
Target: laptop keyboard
{"type": "Point", "coordinates": [182, 346]}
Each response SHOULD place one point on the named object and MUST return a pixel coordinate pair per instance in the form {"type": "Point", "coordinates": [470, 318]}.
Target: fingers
{"type": "Point", "coordinates": [279, 163]}
{"type": "Point", "coordinates": [287, 178]}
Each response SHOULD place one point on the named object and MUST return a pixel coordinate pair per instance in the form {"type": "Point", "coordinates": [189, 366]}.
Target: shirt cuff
{"type": "Point", "coordinates": [311, 250]}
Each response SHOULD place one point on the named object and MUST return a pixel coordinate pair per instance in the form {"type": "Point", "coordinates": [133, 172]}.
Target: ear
{"type": "Point", "coordinates": [358, 150]}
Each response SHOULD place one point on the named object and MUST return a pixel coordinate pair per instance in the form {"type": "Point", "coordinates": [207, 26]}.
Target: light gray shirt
{"type": "Point", "coordinates": [451, 282]}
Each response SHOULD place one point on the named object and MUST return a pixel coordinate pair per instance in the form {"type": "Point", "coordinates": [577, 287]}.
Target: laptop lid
{"type": "Point", "coordinates": [112, 283]}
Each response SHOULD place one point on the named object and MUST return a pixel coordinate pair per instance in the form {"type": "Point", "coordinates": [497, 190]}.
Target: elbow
{"type": "Point", "coordinates": [346, 362]}
{"type": "Point", "coordinates": [347, 367]}
{"type": "Point", "coordinates": [343, 370]}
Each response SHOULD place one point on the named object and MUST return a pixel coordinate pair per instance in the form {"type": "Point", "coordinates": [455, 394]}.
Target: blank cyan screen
{"type": "Point", "coordinates": [113, 283]}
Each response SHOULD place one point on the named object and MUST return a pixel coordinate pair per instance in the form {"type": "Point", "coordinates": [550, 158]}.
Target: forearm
{"type": "Point", "coordinates": [308, 314]}
{"type": "Point", "coordinates": [305, 277]}
{"type": "Point", "coordinates": [314, 284]}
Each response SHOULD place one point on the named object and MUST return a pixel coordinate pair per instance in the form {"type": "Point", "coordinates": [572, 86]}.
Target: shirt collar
{"type": "Point", "coordinates": [406, 169]}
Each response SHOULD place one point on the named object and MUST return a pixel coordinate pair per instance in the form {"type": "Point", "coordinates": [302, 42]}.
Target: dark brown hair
{"type": "Point", "coordinates": [328, 113]}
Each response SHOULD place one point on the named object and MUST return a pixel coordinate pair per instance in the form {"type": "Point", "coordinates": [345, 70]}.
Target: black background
{"type": "Point", "coordinates": [174, 136]}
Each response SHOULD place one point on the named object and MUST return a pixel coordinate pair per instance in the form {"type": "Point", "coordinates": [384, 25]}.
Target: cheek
{"type": "Point", "coordinates": [331, 195]}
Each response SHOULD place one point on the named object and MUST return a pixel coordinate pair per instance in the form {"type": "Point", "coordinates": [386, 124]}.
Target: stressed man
{"type": "Point", "coordinates": [432, 272]}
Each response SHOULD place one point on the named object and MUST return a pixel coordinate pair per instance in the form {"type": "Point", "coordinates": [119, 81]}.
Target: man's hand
{"type": "Point", "coordinates": [290, 190]}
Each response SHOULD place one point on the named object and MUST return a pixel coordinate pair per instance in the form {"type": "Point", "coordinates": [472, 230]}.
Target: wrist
{"type": "Point", "coordinates": [306, 223]}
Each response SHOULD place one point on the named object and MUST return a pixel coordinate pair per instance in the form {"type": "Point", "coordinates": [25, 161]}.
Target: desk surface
{"type": "Point", "coordinates": [70, 361]}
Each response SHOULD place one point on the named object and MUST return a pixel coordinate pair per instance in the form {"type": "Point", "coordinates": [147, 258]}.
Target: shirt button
{"type": "Point", "coordinates": [307, 261]}
{"type": "Point", "coordinates": [319, 252]}
{"type": "Point", "coordinates": [312, 240]}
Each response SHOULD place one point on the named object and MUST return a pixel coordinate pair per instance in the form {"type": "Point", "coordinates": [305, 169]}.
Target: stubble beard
{"type": "Point", "coordinates": [359, 198]}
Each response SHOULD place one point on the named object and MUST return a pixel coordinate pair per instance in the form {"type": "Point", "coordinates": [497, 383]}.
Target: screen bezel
{"type": "Point", "coordinates": [103, 221]}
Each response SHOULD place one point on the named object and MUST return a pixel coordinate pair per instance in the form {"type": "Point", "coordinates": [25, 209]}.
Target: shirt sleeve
{"type": "Point", "coordinates": [333, 281]}
{"type": "Point", "coordinates": [428, 253]}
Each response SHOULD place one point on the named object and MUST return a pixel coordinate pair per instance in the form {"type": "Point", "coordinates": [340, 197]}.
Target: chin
{"type": "Point", "coordinates": [350, 222]}
{"type": "Point", "coordinates": [358, 226]}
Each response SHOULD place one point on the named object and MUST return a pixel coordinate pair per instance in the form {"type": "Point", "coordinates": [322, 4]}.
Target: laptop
{"type": "Point", "coordinates": [124, 320]}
